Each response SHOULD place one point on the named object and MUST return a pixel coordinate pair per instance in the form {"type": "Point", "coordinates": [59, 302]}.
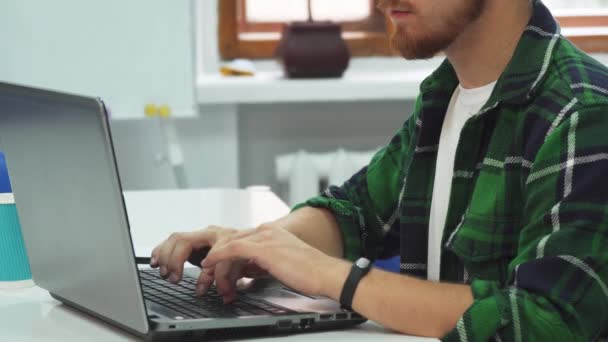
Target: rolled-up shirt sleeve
{"type": "Point", "coordinates": [366, 206]}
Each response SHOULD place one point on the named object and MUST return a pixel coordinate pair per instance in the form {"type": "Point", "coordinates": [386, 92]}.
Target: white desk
{"type": "Point", "coordinates": [32, 315]}
{"type": "Point", "coordinates": [154, 215]}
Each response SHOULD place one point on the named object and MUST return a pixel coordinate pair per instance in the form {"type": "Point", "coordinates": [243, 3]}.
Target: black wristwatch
{"type": "Point", "coordinates": [357, 272]}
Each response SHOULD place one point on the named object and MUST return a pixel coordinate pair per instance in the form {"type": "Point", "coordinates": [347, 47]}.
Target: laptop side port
{"type": "Point", "coordinates": [284, 324]}
{"type": "Point", "coordinates": [325, 317]}
{"type": "Point", "coordinates": [306, 323]}
{"type": "Point", "coordinates": [341, 316]}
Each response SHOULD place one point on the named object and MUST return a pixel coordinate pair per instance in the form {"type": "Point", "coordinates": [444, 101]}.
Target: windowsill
{"type": "Point", "coordinates": [585, 31]}
{"type": "Point", "coordinates": [368, 79]}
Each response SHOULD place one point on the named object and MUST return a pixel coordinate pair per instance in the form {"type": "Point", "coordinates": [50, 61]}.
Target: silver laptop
{"type": "Point", "coordinates": [65, 180]}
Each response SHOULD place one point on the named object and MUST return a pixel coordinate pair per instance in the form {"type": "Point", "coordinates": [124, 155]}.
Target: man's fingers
{"type": "Point", "coordinates": [179, 255]}
{"type": "Point", "coordinates": [225, 279]}
{"type": "Point", "coordinates": [233, 276]}
{"type": "Point", "coordinates": [205, 280]}
{"type": "Point", "coordinates": [226, 273]}
{"type": "Point", "coordinates": [154, 257]}
{"type": "Point", "coordinates": [232, 237]}
{"type": "Point", "coordinates": [242, 234]}
{"type": "Point", "coordinates": [237, 249]}
{"type": "Point", "coordinates": [164, 255]}
{"type": "Point", "coordinates": [202, 238]}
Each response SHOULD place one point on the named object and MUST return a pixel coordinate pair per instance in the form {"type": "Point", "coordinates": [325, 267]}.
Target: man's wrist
{"type": "Point", "coordinates": [333, 277]}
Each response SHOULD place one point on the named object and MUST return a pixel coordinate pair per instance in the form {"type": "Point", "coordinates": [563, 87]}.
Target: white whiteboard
{"type": "Point", "coordinates": [129, 52]}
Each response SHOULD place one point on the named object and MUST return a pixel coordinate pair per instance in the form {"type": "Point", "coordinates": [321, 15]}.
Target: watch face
{"type": "Point", "coordinates": [362, 263]}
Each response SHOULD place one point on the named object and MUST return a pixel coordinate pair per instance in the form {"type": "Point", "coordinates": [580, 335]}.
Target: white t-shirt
{"type": "Point", "coordinates": [464, 104]}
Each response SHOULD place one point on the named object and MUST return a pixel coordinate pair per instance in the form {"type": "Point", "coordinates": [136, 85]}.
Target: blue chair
{"type": "Point", "coordinates": [390, 265]}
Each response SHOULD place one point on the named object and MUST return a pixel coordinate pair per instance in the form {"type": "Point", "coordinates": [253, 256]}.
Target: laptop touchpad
{"type": "Point", "coordinates": [296, 301]}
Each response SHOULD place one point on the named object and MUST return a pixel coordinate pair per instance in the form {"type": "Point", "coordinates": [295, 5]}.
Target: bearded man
{"type": "Point", "coordinates": [492, 193]}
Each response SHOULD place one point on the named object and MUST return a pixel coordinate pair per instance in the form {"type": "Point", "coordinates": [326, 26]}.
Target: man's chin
{"type": "Point", "coordinates": [422, 48]}
{"type": "Point", "coordinates": [410, 56]}
{"type": "Point", "coordinates": [411, 52]}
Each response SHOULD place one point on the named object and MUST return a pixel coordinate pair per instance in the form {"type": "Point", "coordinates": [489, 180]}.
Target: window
{"type": "Point", "coordinates": [585, 22]}
{"type": "Point", "coordinates": [338, 10]}
{"type": "Point", "coordinates": [579, 5]}
{"type": "Point", "coordinates": [251, 28]}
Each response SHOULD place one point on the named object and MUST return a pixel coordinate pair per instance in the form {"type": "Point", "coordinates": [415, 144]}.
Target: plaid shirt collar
{"type": "Point", "coordinates": [522, 76]}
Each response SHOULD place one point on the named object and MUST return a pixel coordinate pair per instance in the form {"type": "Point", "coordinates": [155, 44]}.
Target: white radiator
{"type": "Point", "coordinates": [306, 173]}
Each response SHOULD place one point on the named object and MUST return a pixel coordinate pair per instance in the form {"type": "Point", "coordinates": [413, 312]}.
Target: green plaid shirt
{"type": "Point", "coordinates": [527, 225]}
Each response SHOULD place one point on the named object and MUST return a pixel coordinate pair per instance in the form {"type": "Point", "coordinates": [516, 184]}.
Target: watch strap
{"type": "Point", "coordinates": [351, 284]}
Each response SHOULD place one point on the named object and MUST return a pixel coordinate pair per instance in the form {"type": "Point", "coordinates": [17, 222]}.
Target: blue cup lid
{"type": "Point", "coordinates": [5, 184]}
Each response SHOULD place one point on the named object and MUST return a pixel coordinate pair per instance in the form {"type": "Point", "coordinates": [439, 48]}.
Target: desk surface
{"type": "Point", "coordinates": [32, 315]}
{"type": "Point", "coordinates": [154, 215]}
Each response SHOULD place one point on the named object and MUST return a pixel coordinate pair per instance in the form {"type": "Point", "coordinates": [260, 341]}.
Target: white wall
{"type": "Point", "coordinates": [255, 134]}
{"type": "Point", "coordinates": [127, 52]}
{"type": "Point", "coordinates": [209, 143]}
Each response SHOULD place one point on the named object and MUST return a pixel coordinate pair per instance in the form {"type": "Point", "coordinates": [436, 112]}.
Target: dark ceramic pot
{"type": "Point", "coordinates": [313, 50]}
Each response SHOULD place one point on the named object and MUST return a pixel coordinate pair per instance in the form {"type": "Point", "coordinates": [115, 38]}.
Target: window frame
{"type": "Point", "coordinates": [591, 43]}
{"type": "Point", "coordinates": [364, 39]}
{"type": "Point", "coordinates": [374, 23]}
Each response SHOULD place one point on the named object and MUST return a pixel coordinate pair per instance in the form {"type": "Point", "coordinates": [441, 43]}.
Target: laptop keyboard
{"type": "Point", "coordinates": [182, 299]}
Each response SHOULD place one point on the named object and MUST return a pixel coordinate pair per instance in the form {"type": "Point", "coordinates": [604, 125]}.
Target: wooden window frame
{"type": "Point", "coordinates": [375, 23]}
{"type": "Point", "coordinates": [363, 38]}
{"type": "Point", "coordinates": [591, 43]}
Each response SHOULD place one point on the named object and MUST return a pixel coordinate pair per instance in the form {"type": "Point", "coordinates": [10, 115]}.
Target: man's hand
{"type": "Point", "coordinates": [297, 232]}
{"type": "Point", "coordinates": [405, 304]}
{"type": "Point", "coordinates": [284, 256]}
{"type": "Point", "coordinates": [171, 255]}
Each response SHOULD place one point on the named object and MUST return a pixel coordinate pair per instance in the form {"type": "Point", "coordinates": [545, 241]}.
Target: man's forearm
{"type": "Point", "coordinates": [405, 304]}
{"type": "Point", "coordinates": [315, 226]}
